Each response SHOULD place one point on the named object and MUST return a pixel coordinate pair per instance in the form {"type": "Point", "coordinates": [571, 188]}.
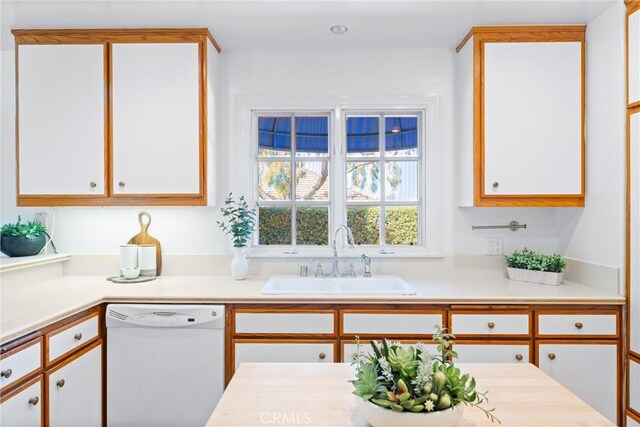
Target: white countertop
{"type": "Point", "coordinates": [34, 305]}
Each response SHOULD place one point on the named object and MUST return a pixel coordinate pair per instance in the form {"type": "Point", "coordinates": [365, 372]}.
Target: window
{"type": "Point", "coordinates": [382, 170]}
{"type": "Point", "coordinates": [293, 180]}
{"type": "Point", "coordinates": [369, 177]}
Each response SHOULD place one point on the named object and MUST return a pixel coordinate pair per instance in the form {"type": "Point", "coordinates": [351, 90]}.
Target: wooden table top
{"type": "Point", "coordinates": [319, 394]}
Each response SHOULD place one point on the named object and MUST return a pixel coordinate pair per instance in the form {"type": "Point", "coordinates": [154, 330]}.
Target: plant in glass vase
{"type": "Point", "coordinates": [239, 221]}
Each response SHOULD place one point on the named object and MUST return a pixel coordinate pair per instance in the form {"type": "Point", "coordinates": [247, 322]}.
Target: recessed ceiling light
{"type": "Point", "coordinates": [339, 29]}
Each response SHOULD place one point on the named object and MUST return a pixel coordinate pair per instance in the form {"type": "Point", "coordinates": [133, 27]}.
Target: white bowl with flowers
{"type": "Point", "coordinates": [402, 386]}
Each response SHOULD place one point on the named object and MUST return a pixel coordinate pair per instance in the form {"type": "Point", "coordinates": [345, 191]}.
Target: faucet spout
{"type": "Point", "coordinates": [350, 240]}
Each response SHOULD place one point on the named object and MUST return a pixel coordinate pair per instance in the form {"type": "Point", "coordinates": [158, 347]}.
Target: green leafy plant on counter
{"type": "Point", "coordinates": [530, 260]}
{"type": "Point", "coordinates": [410, 379]}
{"type": "Point", "coordinates": [239, 220]}
{"type": "Point", "coordinates": [29, 229]}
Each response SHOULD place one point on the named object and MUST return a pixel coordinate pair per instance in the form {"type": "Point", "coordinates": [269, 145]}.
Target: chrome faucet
{"type": "Point", "coordinates": [352, 244]}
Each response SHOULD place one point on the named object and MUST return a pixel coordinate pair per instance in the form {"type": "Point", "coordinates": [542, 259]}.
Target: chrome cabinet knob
{"type": "Point", "coordinates": [121, 184]}
{"type": "Point", "coordinates": [491, 325]}
{"type": "Point", "coordinates": [579, 325]}
{"type": "Point", "coordinates": [322, 356]}
{"type": "Point", "coordinates": [60, 383]}
{"type": "Point", "coordinates": [78, 336]}
{"type": "Point", "coordinates": [93, 184]}
{"type": "Point", "coordinates": [495, 184]}
{"type": "Point", "coordinates": [6, 373]}
{"type": "Point", "coordinates": [551, 356]}
{"type": "Point", "coordinates": [34, 400]}
{"type": "Point", "coordinates": [519, 357]}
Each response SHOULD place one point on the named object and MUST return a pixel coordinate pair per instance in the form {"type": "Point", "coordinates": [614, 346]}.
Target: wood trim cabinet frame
{"type": "Point", "coordinates": [107, 37]}
{"type": "Point", "coordinates": [514, 34]}
{"type": "Point", "coordinates": [340, 338]}
{"type": "Point", "coordinates": [40, 337]}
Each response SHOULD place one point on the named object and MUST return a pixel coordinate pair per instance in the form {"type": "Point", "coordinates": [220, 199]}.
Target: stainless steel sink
{"type": "Point", "coordinates": [379, 285]}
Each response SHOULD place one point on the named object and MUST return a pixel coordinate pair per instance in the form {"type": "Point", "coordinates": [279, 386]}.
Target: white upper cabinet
{"type": "Point", "coordinates": [532, 118]}
{"type": "Point", "coordinates": [156, 118]}
{"type": "Point", "coordinates": [61, 111]}
{"type": "Point", "coordinates": [634, 231]}
{"type": "Point", "coordinates": [521, 117]}
{"type": "Point", "coordinates": [634, 57]}
{"type": "Point", "coordinates": [128, 117]}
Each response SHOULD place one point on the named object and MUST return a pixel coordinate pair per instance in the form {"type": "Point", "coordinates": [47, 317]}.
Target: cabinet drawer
{"type": "Point", "coordinates": [349, 348]}
{"type": "Point", "coordinates": [20, 362]}
{"type": "Point", "coordinates": [283, 352]}
{"type": "Point", "coordinates": [492, 353]}
{"type": "Point", "coordinates": [24, 406]}
{"type": "Point", "coordinates": [490, 324]}
{"type": "Point", "coordinates": [577, 324]}
{"type": "Point", "coordinates": [71, 337]}
{"type": "Point", "coordinates": [383, 324]}
{"type": "Point", "coordinates": [285, 323]}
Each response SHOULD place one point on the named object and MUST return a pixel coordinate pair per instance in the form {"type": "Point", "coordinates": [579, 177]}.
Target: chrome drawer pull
{"type": "Point", "coordinates": [60, 383]}
{"type": "Point", "coordinates": [579, 325]}
{"type": "Point", "coordinates": [491, 325]}
{"type": "Point", "coordinates": [551, 356]}
{"type": "Point", "coordinates": [6, 373]}
{"type": "Point", "coordinates": [519, 357]}
{"type": "Point", "coordinates": [77, 336]}
{"type": "Point", "coordinates": [322, 356]}
{"type": "Point", "coordinates": [34, 401]}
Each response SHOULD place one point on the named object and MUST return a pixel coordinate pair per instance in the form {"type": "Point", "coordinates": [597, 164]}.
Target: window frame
{"type": "Point", "coordinates": [383, 203]}
{"type": "Point", "coordinates": [292, 202]}
{"type": "Point", "coordinates": [428, 105]}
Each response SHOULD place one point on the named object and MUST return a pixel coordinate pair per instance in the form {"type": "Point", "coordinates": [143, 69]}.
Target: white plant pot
{"type": "Point", "coordinates": [382, 417]}
{"type": "Point", "coordinates": [542, 277]}
{"type": "Point", "coordinates": [239, 264]}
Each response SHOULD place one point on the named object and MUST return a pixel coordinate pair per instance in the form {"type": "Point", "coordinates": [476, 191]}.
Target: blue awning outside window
{"type": "Point", "coordinates": [274, 133]}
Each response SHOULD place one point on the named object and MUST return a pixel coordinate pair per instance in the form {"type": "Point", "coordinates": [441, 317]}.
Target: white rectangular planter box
{"type": "Point", "coordinates": [543, 277]}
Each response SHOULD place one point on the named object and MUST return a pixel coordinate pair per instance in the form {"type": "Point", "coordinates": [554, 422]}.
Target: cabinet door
{"type": "Point", "coordinates": [287, 352]}
{"type": "Point", "coordinates": [61, 126]}
{"type": "Point", "coordinates": [634, 231]}
{"type": "Point", "coordinates": [533, 118]}
{"type": "Point", "coordinates": [156, 119]}
{"type": "Point", "coordinates": [75, 391]}
{"type": "Point", "coordinates": [492, 353]}
{"type": "Point", "coordinates": [634, 386]}
{"type": "Point", "coordinates": [634, 57]}
{"type": "Point", "coordinates": [349, 348]}
{"type": "Point", "coordinates": [580, 367]}
{"type": "Point", "coordinates": [24, 408]}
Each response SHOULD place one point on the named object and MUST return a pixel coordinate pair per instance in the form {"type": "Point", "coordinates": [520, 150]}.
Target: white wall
{"type": "Point", "coordinates": [368, 74]}
{"type": "Point", "coordinates": [596, 233]}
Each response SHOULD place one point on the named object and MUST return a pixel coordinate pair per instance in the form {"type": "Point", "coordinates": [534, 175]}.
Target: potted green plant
{"type": "Point", "coordinates": [529, 266]}
{"type": "Point", "coordinates": [239, 220]}
{"type": "Point", "coordinates": [408, 386]}
{"type": "Point", "coordinates": [22, 239]}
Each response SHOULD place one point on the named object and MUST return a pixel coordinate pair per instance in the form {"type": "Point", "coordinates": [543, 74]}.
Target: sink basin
{"type": "Point", "coordinates": [380, 285]}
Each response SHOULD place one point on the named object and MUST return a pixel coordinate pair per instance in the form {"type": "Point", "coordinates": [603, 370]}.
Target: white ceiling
{"type": "Point", "coordinates": [302, 23]}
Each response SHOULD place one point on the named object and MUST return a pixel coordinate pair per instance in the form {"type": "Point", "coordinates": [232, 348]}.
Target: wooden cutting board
{"type": "Point", "coordinates": [144, 238]}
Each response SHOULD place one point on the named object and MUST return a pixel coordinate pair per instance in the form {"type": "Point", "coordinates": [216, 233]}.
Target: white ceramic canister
{"type": "Point", "coordinates": [147, 260]}
{"type": "Point", "coordinates": [128, 256]}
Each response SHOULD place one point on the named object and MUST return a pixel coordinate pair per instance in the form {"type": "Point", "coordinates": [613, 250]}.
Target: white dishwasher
{"type": "Point", "coordinates": [165, 364]}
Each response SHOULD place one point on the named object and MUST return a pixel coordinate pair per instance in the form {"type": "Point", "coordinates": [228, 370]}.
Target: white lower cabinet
{"type": "Point", "coordinates": [283, 352]}
{"type": "Point", "coordinates": [634, 385]}
{"type": "Point", "coordinates": [23, 409]}
{"type": "Point", "coordinates": [492, 353]}
{"type": "Point", "coordinates": [349, 349]}
{"type": "Point", "coordinates": [75, 391]}
{"type": "Point", "coordinates": [587, 370]}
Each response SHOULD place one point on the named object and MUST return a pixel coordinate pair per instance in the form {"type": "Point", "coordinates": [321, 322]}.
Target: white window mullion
{"type": "Point", "coordinates": [382, 177]}
{"type": "Point", "coordinates": [293, 180]}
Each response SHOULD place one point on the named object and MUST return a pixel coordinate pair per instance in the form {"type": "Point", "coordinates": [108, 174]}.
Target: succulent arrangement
{"type": "Point", "coordinates": [29, 229]}
{"type": "Point", "coordinates": [410, 379]}
{"type": "Point", "coordinates": [530, 260]}
{"type": "Point", "coordinates": [240, 220]}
